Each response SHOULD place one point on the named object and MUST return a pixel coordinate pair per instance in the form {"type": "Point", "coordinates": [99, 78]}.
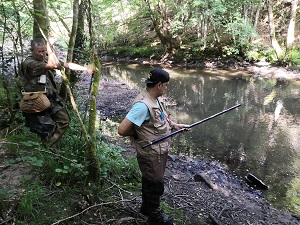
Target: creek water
{"type": "Point", "coordinates": [260, 137]}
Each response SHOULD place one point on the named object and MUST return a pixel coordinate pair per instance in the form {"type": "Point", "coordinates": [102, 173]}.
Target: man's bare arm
{"type": "Point", "coordinates": [126, 128]}
{"type": "Point", "coordinates": [74, 66]}
{"type": "Point", "coordinates": [54, 63]}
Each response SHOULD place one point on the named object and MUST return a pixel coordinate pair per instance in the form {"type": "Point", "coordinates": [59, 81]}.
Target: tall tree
{"type": "Point", "coordinates": [162, 24]}
{"type": "Point", "coordinates": [257, 14]}
{"type": "Point", "coordinates": [94, 166]}
{"type": "Point", "coordinates": [79, 46]}
{"type": "Point", "coordinates": [272, 30]}
{"type": "Point", "coordinates": [63, 91]}
{"type": "Point", "coordinates": [73, 31]}
{"type": "Point", "coordinates": [41, 20]}
{"type": "Point", "coordinates": [19, 37]}
{"type": "Point", "coordinates": [79, 54]}
{"type": "Point", "coordinates": [291, 28]}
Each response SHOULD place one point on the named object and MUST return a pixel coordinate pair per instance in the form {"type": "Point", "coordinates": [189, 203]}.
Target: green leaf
{"type": "Point", "coordinates": [66, 167]}
{"type": "Point", "coordinates": [58, 170]}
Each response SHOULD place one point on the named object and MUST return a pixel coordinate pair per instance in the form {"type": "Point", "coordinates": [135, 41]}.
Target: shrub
{"type": "Point", "coordinates": [153, 52]}
{"type": "Point", "coordinates": [293, 57]}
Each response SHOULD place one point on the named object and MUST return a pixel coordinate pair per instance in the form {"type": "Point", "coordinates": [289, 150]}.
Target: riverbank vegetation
{"type": "Point", "coordinates": [56, 183]}
{"type": "Point", "coordinates": [44, 185]}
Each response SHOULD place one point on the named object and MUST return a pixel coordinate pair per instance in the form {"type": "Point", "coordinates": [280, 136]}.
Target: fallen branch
{"type": "Point", "coordinates": [93, 206]}
{"type": "Point", "coordinates": [219, 215]}
{"type": "Point", "coordinates": [118, 186]}
{"type": "Point", "coordinates": [215, 220]}
{"type": "Point", "coordinates": [205, 178]}
{"type": "Point", "coordinates": [60, 156]}
{"type": "Point", "coordinates": [6, 221]}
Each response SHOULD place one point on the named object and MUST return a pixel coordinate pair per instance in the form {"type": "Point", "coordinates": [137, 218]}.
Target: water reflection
{"type": "Point", "coordinates": [261, 136]}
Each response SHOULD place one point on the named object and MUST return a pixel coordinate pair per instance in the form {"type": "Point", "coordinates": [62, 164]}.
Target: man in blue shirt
{"type": "Point", "coordinates": [147, 120]}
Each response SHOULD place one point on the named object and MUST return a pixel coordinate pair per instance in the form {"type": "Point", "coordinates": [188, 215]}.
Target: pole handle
{"type": "Point", "coordinates": [190, 126]}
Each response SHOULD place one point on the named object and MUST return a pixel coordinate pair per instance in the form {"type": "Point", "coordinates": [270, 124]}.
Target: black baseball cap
{"type": "Point", "coordinates": [157, 75]}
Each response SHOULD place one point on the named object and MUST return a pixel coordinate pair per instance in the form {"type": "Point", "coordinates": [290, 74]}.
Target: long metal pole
{"type": "Point", "coordinates": [190, 126]}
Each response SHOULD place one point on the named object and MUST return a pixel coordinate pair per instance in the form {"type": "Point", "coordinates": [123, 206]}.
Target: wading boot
{"type": "Point", "coordinates": [44, 139]}
{"type": "Point", "coordinates": [57, 134]}
{"type": "Point", "coordinates": [62, 120]}
{"type": "Point", "coordinates": [151, 193]}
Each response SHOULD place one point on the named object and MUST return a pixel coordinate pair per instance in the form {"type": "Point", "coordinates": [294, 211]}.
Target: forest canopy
{"type": "Point", "coordinates": [193, 29]}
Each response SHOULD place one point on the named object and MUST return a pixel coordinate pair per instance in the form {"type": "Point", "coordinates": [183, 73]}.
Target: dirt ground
{"type": "Point", "coordinates": [202, 189]}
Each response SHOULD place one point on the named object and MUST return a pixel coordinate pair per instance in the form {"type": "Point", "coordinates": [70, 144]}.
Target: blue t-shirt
{"type": "Point", "coordinates": [138, 113]}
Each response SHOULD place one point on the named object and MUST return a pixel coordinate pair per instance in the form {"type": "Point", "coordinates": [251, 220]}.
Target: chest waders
{"type": "Point", "coordinates": [152, 160]}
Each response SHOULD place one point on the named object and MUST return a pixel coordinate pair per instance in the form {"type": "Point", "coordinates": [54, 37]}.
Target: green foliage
{"type": "Point", "coordinates": [114, 166]}
{"type": "Point", "coordinates": [35, 202]}
{"type": "Point", "coordinates": [293, 57]}
{"type": "Point", "coordinates": [60, 172]}
{"type": "Point", "coordinates": [6, 192]}
{"type": "Point", "coordinates": [253, 55]}
{"type": "Point", "coordinates": [29, 205]}
{"type": "Point", "coordinates": [67, 163]}
{"type": "Point", "coordinates": [270, 55]}
{"type": "Point", "coordinates": [32, 160]}
{"type": "Point", "coordinates": [240, 30]}
{"type": "Point", "coordinates": [153, 52]}
{"type": "Point", "coordinates": [259, 53]}
{"type": "Point", "coordinates": [230, 51]}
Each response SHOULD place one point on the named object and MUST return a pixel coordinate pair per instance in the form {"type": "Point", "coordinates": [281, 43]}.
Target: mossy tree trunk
{"type": "Point", "coordinates": [94, 166]}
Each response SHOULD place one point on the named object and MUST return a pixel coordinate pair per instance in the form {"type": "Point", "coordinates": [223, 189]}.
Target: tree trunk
{"type": "Point", "coordinates": [63, 91]}
{"type": "Point", "coordinates": [19, 36]}
{"type": "Point", "coordinates": [74, 31]}
{"type": "Point", "coordinates": [204, 31]}
{"type": "Point", "coordinates": [5, 81]}
{"type": "Point", "coordinates": [79, 54]}
{"type": "Point", "coordinates": [257, 14]}
{"type": "Point", "coordinates": [60, 19]}
{"type": "Point", "coordinates": [274, 42]}
{"type": "Point", "coordinates": [163, 28]}
{"type": "Point", "coordinates": [94, 166]}
{"type": "Point", "coordinates": [41, 23]}
{"type": "Point", "coordinates": [291, 29]}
